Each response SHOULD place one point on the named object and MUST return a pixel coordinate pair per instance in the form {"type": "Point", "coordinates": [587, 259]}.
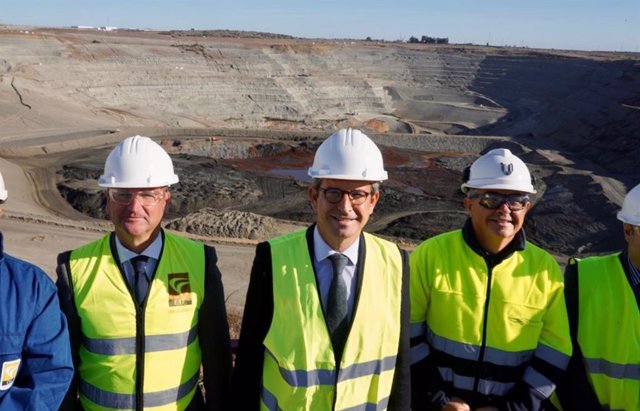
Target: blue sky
{"type": "Point", "coordinates": [560, 24]}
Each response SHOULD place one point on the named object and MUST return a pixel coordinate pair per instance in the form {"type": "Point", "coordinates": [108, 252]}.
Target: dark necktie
{"type": "Point", "coordinates": [337, 305]}
{"type": "Point", "coordinates": [141, 282]}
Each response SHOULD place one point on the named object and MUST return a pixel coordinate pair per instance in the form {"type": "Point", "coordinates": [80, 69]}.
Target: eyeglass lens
{"type": "Point", "coordinates": [334, 195]}
{"type": "Point", "coordinates": [125, 197]}
{"type": "Point", "coordinates": [493, 201]}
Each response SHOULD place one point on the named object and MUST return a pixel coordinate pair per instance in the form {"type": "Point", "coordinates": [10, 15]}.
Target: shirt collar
{"type": "Point", "coordinates": [153, 251]}
{"type": "Point", "coordinates": [322, 250]}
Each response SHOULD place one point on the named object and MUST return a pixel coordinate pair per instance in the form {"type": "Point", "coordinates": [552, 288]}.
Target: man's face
{"type": "Point", "coordinates": [632, 235]}
{"type": "Point", "coordinates": [339, 220]}
{"type": "Point", "coordinates": [499, 225]}
{"type": "Point", "coordinates": [137, 213]}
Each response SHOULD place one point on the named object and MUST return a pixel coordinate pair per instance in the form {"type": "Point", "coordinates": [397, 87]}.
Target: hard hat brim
{"type": "Point", "coordinates": [313, 174]}
{"type": "Point", "coordinates": [506, 186]}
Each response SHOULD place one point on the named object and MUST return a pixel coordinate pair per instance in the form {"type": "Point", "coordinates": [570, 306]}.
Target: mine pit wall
{"type": "Point", "coordinates": [423, 142]}
{"type": "Point", "coordinates": [584, 107]}
{"type": "Point", "coordinates": [575, 101]}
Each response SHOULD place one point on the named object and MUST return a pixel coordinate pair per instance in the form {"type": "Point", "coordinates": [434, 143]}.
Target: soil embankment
{"type": "Point", "coordinates": [241, 117]}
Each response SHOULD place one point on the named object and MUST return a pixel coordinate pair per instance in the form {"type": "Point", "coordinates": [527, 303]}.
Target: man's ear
{"type": "Point", "coordinates": [627, 229]}
{"type": "Point", "coordinates": [167, 200]}
{"type": "Point", "coordinates": [313, 197]}
{"type": "Point", "coordinates": [468, 203]}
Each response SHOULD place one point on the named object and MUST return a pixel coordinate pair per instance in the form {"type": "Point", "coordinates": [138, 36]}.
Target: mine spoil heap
{"type": "Point", "coordinates": [242, 116]}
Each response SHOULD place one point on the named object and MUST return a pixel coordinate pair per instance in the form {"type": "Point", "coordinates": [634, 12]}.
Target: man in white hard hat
{"type": "Point", "coordinates": [326, 321]}
{"type": "Point", "coordinates": [488, 316]}
{"type": "Point", "coordinates": [35, 357]}
{"type": "Point", "coordinates": [145, 307]}
{"type": "Point", "coordinates": [603, 300]}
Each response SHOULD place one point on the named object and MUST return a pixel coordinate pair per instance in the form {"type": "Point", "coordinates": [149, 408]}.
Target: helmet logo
{"type": "Point", "coordinates": [507, 169]}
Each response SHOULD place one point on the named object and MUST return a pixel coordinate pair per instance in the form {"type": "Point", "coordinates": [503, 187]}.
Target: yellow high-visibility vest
{"type": "Point", "coordinates": [299, 369]}
{"type": "Point", "coordinates": [157, 347]}
{"type": "Point", "coordinates": [504, 317]}
{"type": "Point", "coordinates": [609, 332]}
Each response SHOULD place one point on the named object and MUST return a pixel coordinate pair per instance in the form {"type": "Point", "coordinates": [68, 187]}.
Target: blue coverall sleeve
{"type": "Point", "coordinates": [46, 367]}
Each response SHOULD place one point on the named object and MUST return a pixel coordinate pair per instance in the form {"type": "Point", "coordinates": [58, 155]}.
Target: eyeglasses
{"type": "Point", "coordinates": [494, 201]}
{"type": "Point", "coordinates": [334, 195]}
{"type": "Point", "coordinates": [146, 197]}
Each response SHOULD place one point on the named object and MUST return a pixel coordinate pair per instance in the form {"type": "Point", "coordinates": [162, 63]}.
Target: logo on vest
{"type": "Point", "coordinates": [9, 373]}
{"type": "Point", "coordinates": [179, 289]}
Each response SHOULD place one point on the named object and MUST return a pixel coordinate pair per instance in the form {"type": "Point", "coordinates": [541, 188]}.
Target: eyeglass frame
{"type": "Point", "coordinates": [157, 195]}
{"type": "Point", "coordinates": [348, 193]}
{"type": "Point", "coordinates": [504, 199]}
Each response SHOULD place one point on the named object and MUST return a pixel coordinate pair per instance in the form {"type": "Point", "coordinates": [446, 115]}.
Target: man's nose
{"type": "Point", "coordinates": [345, 202]}
{"type": "Point", "coordinates": [136, 202]}
{"type": "Point", "coordinates": [504, 207]}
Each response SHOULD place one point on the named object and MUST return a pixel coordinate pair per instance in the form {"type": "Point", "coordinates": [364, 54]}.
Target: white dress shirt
{"type": "Point", "coordinates": [324, 269]}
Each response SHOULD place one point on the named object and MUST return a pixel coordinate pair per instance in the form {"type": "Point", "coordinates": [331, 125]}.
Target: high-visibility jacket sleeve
{"type": "Point", "coordinates": [427, 387]}
{"type": "Point", "coordinates": [39, 340]}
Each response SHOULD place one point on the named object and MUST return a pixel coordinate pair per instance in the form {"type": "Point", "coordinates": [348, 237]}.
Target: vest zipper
{"type": "Point", "coordinates": [140, 349]}
{"type": "Point", "coordinates": [480, 368]}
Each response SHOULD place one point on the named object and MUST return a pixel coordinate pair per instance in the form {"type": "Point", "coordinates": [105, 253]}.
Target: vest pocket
{"type": "Point", "coordinates": [523, 323]}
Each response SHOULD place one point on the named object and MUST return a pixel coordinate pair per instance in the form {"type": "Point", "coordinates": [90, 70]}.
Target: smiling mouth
{"type": "Point", "coordinates": [133, 219]}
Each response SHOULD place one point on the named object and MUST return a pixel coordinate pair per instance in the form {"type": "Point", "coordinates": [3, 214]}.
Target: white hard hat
{"type": "Point", "coordinates": [630, 212]}
{"type": "Point", "coordinates": [499, 169]}
{"type": "Point", "coordinates": [3, 190]}
{"type": "Point", "coordinates": [137, 162]}
{"type": "Point", "coordinates": [348, 155]}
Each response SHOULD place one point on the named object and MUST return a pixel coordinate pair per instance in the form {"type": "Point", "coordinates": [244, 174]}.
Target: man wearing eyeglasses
{"type": "Point", "coordinates": [326, 321]}
{"type": "Point", "coordinates": [488, 316]}
{"type": "Point", "coordinates": [603, 300]}
{"type": "Point", "coordinates": [145, 306]}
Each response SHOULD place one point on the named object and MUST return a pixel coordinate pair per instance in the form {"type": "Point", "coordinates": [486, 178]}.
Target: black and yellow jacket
{"type": "Point", "coordinates": [491, 330]}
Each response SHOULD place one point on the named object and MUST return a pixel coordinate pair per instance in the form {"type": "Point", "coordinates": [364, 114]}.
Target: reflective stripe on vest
{"type": "Point", "coordinates": [128, 401]}
{"type": "Point", "coordinates": [108, 361]}
{"type": "Point", "coordinates": [120, 346]}
{"type": "Point", "coordinates": [609, 331]}
{"type": "Point", "coordinates": [299, 366]}
{"type": "Point", "coordinates": [525, 315]}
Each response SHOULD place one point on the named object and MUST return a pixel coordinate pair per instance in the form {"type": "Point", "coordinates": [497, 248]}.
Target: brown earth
{"type": "Point", "coordinates": [241, 115]}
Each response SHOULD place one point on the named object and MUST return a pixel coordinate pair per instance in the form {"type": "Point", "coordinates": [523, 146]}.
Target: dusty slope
{"type": "Point", "coordinates": [241, 115]}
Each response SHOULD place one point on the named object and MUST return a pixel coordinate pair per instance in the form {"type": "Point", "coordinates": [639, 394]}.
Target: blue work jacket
{"type": "Point", "coordinates": [35, 355]}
